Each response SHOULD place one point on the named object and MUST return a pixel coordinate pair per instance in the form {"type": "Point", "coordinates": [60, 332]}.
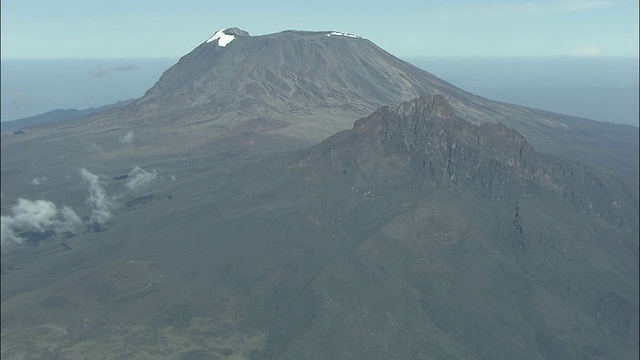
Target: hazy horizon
{"type": "Point", "coordinates": [602, 88]}
{"type": "Point", "coordinates": [169, 28]}
{"type": "Point", "coordinates": [101, 54]}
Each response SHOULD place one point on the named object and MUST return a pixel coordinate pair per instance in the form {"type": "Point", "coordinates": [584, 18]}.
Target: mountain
{"type": "Point", "coordinates": [299, 87]}
{"type": "Point", "coordinates": [439, 228]}
{"type": "Point", "coordinates": [55, 116]}
{"type": "Point", "coordinates": [213, 219]}
{"type": "Point", "coordinates": [414, 234]}
{"type": "Point", "coordinates": [310, 85]}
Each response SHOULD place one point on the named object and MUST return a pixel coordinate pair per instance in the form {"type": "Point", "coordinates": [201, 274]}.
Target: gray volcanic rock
{"type": "Point", "coordinates": [236, 31]}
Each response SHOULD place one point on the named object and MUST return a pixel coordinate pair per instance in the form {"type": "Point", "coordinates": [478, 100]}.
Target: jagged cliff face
{"type": "Point", "coordinates": [422, 145]}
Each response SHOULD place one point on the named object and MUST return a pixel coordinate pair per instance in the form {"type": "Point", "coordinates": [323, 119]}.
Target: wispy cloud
{"type": "Point", "coordinates": [127, 139]}
{"type": "Point", "coordinates": [71, 220]}
{"type": "Point", "coordinates": [44, 217]}
{"type": "Point", "coordinates": [101, 203]}
{"type": "Point", "coordinates": [21, 104]}
{"type": "Point", "coordinates": [99, 71]}
{"type": "Point", "coordinates": [8, 233]}
{"type": "Point", "coordinates": [38, 181]}
{"type": "Point", "coordinates": [125, 68]}
{"type": "Point", "coordinates": [590, 50]}
{"type": "Point", "coordinates": [513, 9]}
{"type": "Point", "coordinates": [140, 179]}
{"type": "Point", "coordinates": [95, 147]}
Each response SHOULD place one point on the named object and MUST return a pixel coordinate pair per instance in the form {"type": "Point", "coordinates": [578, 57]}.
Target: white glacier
{"type": "Point", "coordinates": [338, 33]}
{"type": "Point", "coordinates": [222, 37]}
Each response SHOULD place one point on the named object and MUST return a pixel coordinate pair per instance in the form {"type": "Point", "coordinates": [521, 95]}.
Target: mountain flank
{"type": "Point", "coordinates": [214, 219]}
{"type": "Point", "coordinates": [299, 87]}
{"type": "Point", "coordinates": [413, 234]}
{"type": "Point", "coordinates": [55, 116]}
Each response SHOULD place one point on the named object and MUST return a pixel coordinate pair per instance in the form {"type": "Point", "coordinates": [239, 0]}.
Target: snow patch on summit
{"type": "Point", "coordinates": [338, 33]}
{"type": "Point", "coordinates": [222, 37]}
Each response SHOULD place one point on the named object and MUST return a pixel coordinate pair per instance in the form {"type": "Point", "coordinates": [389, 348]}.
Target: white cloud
{"type": "Point", "coordinates": [127, 139]}
{"type": "Point", "coordinates": [588, 50]}
{"type": "Point", "coordinates": [38, 181]}
{"type": "Point", "coordinates": [95, 148]}
{"type": "Point", "coordinates": [98, 71]}
{"type": "Point", "coordinates": [38, 216]}
{"type": "Point", "coordinates": [98, 199]}
{"type": "Point", "coordinates": [7, 231]}
{"type": "Point", "coordinates": [140, 179]}
{"type": "Point", "coordinates": [71, 220]}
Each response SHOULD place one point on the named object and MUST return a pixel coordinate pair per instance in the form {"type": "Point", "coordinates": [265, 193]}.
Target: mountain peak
{"type": "Point", "coordinates": [225, 36]}
{"type": "Point", "coordinates": [308, 85]}
{"type": "Point", "coordinates": [428, 125]}
{"type": "Point", "coordinates": [435, 105]}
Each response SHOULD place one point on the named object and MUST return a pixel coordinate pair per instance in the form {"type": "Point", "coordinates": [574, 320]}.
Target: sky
{"type": "Point", "coordinates": [44, 29]}
{"type": "Point", "coordinates": [82, 53]}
